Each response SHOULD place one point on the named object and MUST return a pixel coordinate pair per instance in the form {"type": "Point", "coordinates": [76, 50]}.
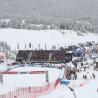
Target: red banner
{"type": "Point", "coordinates": [38, 72]}
{"type": "Point", "coordinates": [12, 72]}
{"type": "Point", "coordinates": [31, 72]}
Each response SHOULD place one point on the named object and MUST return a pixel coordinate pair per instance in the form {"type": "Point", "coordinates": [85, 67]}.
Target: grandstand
{"type": "Point", "coordinates": [58, 56]}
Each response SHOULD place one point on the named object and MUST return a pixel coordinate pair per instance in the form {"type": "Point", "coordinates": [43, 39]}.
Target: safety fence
{"type": "Point", "coordinates": [34, 92]}
{"type": "Point", "coordinates": [30, 92]}
{"type": "Point", "coordinates": [29, 72]}
{"type": "Point", "coordinates": [24, 72]}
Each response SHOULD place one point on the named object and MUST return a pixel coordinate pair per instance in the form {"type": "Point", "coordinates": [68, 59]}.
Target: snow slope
{"type": "Point", "coordinates": [42, 37]}
{"type": "Point", "coordinates": [88, 90]}
{"type": "Point", "coordinates": [12, 81]}
{"type": "Point", "coordinates": [49, 37]}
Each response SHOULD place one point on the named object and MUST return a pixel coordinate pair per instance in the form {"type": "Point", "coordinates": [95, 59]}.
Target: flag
{"type": "Point", "coordinates": [39, 46]}
{"type": "Point", "coordinates": [29, 45]}
{"type": "Point", "coordinates": [45, 47]}
{"type": "Point", "coordinates": [25, 46]}
{"type": "Point", "coordinates": [18, 46]}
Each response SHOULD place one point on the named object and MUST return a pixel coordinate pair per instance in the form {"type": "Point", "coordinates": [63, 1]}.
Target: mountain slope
{"type": "Point", "coordinates": [42, 37]}
{"type": "Point", "coordinates": [49, 9]}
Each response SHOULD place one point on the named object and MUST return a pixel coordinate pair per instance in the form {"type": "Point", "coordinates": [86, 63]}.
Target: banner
{"type": "Point", "coordinates": [18, 46]}
{"type": "Point", "coordinates": [29, 45]}
{"type": "Point", "coordinates": [25, 46]}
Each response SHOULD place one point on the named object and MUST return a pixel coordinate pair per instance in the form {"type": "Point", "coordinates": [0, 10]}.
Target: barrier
{"type": "Point", "coordinates": [34, 92]}
{"type": "Point", "coordinates": [29, 92]}
{"type": "Point", "coordinates": [31, 72]}
{"type": "Point", "coordinates": [24, 72]}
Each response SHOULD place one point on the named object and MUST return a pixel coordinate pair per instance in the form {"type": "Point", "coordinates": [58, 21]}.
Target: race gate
{"type": "Point", "coordinates": [16, 77]}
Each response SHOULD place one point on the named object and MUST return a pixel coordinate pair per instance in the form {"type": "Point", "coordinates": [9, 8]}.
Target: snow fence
{"type": "Point", "coordinates": [30, 92]}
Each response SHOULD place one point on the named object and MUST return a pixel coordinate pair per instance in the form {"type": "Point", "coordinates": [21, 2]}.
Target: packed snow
{"type": "Point", "coordinates": [13, 81]}
{"type": "Point", "coordinates": [89, 86]}
{"type": "Point", "coordinates": [83, 88]}
{"type": "Point", "coordinates": [42, 37]}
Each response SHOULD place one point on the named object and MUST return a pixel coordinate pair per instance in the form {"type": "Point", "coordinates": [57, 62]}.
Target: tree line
{"type": "Point", "coordinates": [30, 24]}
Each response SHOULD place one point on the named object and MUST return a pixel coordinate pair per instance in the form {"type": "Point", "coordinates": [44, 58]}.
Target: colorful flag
{"type": "Point", "coordinates": [29, 45]}
{"type": "Point", "coordinates": [18, 46]}
{"type": "Point", "coordinates": [25, 46]}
